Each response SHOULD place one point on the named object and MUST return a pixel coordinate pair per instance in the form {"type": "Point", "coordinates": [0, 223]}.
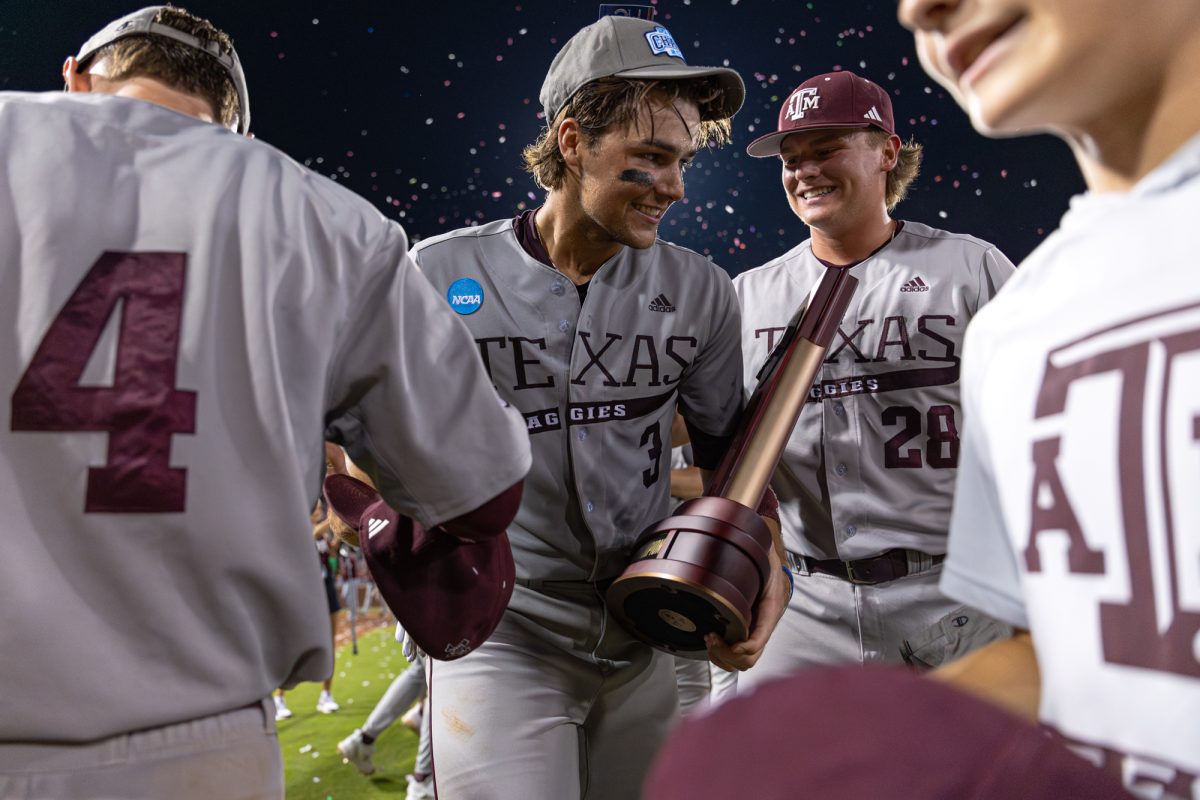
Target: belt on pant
{"type": "Point", "coordinates": [887, 566]}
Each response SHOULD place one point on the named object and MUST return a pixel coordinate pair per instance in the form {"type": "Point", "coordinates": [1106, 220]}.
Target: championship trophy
{"type": "Point", "coordinates": [702, 569]}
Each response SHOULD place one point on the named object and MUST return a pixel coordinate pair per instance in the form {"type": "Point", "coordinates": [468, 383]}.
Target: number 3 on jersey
{"type": "Point", "coordinates": [142, 409]}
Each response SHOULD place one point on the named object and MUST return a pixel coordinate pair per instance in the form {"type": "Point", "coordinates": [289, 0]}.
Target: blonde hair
{"type": "Point", "coordinates": [908, 166]}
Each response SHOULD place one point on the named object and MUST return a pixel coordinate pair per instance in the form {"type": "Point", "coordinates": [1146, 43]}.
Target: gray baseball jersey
{"type": "Point", "coordinates": [189, 313]}
{"type": "Point", "coordinates": [597, 382]}
{"type": "Point", "coordinates": [1077, 514]}
{"type": "Point", "coordinates": [561, 683]}
{"type": "Point", "coordinates": [870, 465]}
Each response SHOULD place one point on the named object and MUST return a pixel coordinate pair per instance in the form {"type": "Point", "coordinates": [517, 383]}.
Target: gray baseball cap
{"type": "Point", "coordinates": [141, 23]}
{"type": "Point", "coordinates": [627, 47]}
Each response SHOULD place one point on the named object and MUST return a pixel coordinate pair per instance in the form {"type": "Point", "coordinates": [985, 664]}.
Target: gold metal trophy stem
{"type": "Point", "coordinates": [783, 389]}
{"type": "Point", "coordinates": [765, 446]}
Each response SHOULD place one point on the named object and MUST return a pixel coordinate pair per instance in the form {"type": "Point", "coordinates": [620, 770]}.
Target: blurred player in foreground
{"type": "Point", "coordinates": [1076, 515]}
{"type": "Point", "coordinates": [190, 313]}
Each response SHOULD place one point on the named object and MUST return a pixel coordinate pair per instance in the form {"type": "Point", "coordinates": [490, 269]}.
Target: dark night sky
{"type": "Point", "coordinates": [423, 107]}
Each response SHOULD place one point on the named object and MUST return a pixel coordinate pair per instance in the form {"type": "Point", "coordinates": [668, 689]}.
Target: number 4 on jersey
{"type": "Point", "coordinates": [142, 409]}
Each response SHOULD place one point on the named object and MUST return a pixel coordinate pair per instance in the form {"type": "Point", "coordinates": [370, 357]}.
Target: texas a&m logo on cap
{"type": "Point", "coordinates": [663, 43]}
{"type": "Point", "coordinates": [802, 100]}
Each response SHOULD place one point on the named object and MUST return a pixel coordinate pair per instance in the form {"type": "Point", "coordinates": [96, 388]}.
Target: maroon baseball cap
{"type": "Point", "coordinates": [449, 594]}
{"type": "Point", "coordinates": [849, 732]}
{"type": "Point", "coordinates": [832, 100]}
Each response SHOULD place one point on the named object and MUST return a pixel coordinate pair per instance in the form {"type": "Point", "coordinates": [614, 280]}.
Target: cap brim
{"type": "Point", "coordinates": [769, 145]}
{"type": "Point", "coordinates": [449, 594]}
{"type": "Point", "coordinates": [734, 90]}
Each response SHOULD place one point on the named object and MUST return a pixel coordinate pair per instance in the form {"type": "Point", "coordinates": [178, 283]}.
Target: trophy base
{"type": "Point", "coordinates": [696, 572]}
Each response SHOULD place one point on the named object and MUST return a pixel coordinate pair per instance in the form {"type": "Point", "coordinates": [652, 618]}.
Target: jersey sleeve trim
{"type": "Point", "coordinates": [972, 590]}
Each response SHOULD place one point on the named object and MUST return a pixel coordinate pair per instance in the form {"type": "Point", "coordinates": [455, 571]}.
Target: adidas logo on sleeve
{"type": "Point", "coordinates": [915, 285]}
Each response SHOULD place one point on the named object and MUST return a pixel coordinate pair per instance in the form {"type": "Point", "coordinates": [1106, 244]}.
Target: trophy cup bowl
{"type": "Point", "coordinates": [698, 571]}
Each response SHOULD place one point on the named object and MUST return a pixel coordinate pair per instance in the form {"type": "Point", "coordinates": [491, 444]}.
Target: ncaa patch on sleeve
{"type": "Point", "coordinates": [465, 296]}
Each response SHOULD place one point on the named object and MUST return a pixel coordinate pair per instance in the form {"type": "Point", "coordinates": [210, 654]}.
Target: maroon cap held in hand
{"type": "Point", "coordinates": [832, 100]}
{"type": "Point", "coordinates": [853, 732]}
{"type": "Point", "coordinates": [449, 594]}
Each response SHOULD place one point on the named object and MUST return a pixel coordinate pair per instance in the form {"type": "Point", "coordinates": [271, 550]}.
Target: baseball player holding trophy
{"type": "Point", "coordinates": [594, 329]}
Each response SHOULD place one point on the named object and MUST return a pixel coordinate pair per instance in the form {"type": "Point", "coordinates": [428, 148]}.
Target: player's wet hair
{"type": "Point", "coordinates": [176, 64]}
{"type": "Point", "coordinates": [609, 102]}
{"type": "Point", "coordinates": [908, 166]}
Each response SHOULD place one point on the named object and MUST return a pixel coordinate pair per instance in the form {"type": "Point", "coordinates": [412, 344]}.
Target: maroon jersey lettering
{"type": "Point", "coordinates": [1134, 633]}
{"type": "Point", "coordinates": [142, 409]}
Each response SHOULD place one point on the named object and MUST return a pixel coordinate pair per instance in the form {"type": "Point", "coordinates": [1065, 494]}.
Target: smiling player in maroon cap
{"type": "Point", "coordinates": [866, 480]}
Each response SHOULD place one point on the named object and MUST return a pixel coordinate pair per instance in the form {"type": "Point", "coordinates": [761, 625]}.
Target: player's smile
{"type": "Point", "coordinates": [1022, 66]}
{"type": "Point", "coordinates": [814, 195]}
{"type": "Point", "coordinates": [969, 53]}
{"type": "Point", "coordinates": [654, 213]}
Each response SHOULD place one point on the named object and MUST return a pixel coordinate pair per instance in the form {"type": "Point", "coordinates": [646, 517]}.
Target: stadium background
{"type": "Point", "coordinates": [423, 107]}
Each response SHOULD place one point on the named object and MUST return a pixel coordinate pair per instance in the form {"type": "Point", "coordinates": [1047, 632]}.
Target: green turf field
{"type": "Point", "coordinates": [312, 767]}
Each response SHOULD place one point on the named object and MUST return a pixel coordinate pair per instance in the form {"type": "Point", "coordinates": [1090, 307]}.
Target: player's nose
{"type": "Point", "coordinates": [925, 15]}
{"type": "Point", "coordinates": [802, 168]}
{"type": "Point", "coordinates": [670, 184]}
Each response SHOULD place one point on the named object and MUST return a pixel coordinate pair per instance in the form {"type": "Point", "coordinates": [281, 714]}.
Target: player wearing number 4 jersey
{"type": "Point", "coordinates": [190, 313]}
{"type": "Point", "coordinates": [866, 480]}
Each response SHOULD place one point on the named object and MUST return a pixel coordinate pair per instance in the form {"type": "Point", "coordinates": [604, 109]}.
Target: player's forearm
{"type": "Point", "coordinates": [1004, 672]}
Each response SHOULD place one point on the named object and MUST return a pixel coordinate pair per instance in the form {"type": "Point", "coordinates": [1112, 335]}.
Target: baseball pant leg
{"type": "Point", "coordinates": [724, 683]}
{"type": "Point", "coordinates": [635, 711]}
{"type": "Point", "coordinates": [424, 762]}
{"type": "Point", "coordinates": [692, 678]}
{"type": "Point", "coordinates": [820, 626]}
{"type": "Point", "coordinates": [507, 719]}
{"type": "Point", "coordinates": [406, 689]}
{"type": "Point", "coordinates": [232, 755]}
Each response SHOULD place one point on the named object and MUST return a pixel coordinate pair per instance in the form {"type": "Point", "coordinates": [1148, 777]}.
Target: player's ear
{"type": "Point", "coordinates": [891, 153]}
{"type": "Point", "coordinates": [73, 79]}
{"type": "Point", "coordinates": [570, 141]}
